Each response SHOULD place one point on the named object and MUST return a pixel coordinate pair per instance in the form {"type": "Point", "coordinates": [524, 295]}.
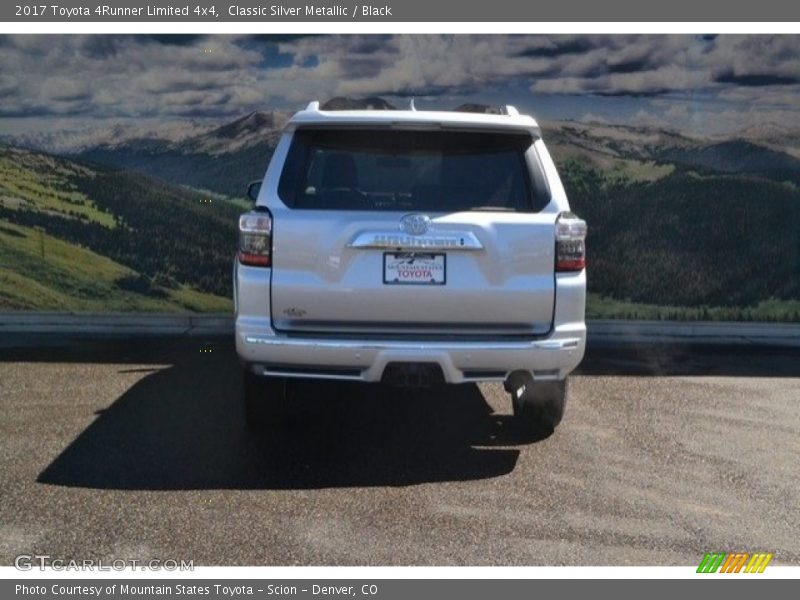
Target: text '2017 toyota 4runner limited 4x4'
{"type": "Point", "coordinates": [411, 247]}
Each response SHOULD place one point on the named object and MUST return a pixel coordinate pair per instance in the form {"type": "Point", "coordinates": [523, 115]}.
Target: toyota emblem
{"type": "Point", "coordinates": [415, 224]}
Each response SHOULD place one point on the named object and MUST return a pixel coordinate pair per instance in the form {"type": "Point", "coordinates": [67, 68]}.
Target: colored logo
{"type": "Point", "coordinates": [734, 562]}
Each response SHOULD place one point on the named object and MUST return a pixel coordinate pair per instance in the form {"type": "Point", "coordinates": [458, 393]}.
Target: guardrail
{"type": "Point", "coordinates": [693, 332]}
{"type": "Point", "coordinates": [110, 324]}
{"type": "Point", "coordinates": [600, 332]}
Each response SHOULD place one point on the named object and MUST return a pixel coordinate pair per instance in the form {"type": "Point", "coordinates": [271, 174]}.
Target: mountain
{"type": "Point", "coordinates": [346, 103]}
{"type": "Point", "coordinates": [254, 129]}
{"type": "Point", "coordinates": [773, 135]}
{"type": "Point", "coordinates": [618, 141]}
{"type": "Point", "coordinates": [226, 157]}
{"type": "Point", "coordinates": [674, 220]}
{"type": "Point", "coordinates": [74, 141]}
{"type": "Point", "coordinates": [641, 152]}
{"type": "Point", "coordinates": [221, 160]}
{"type": "Point", "coordinates": [737, 156]}
{"type": "Point", "coordinates": [80, 237]}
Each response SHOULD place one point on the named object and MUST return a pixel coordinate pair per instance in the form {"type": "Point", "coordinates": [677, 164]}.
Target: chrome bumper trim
{"type": "Point", "coordinates": [267, 340]}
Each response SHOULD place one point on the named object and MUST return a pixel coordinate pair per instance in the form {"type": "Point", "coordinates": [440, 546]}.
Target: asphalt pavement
{"type": "Point", "coordinates": [137, 449]}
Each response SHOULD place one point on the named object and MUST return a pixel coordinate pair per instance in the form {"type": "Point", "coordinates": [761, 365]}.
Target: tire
{"type": "Point", "coordinates": [265, 400]}
{"type": "Point", "coordinates": [540, 406]}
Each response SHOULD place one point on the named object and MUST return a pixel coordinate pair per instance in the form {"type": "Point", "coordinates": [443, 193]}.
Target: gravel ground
{"type": "Point", "coordinates": [138, 449]}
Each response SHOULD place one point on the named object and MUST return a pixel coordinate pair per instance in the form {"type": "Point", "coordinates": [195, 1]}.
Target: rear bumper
{"type": "Point", "coordinates": [268, 353]}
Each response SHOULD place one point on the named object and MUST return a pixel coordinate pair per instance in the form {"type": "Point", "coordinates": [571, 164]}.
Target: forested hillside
{"type": "Point", "coordinates": [85, 237]}
{"type": "Point", "coordinates": [691, 240]}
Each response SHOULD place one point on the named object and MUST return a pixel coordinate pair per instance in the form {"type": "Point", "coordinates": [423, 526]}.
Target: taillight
{"type": "Point", "coordinates": [570, 243]}
{"type": "Point", "coordinates": [255, 239]}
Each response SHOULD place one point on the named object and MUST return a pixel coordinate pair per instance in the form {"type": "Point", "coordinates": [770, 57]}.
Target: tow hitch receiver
{"type": "Point", "coordinates": [412, 374]}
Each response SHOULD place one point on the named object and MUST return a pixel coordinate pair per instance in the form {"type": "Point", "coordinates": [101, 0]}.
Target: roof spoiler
{"type": "Point", "coordinates": [487, 109]}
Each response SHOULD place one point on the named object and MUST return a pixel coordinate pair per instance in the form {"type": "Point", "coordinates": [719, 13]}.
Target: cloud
{"type": "Point", "coordinates": [756, 79]}
{"type": "Point", "coordinates": [609, 65]}
{"type": "Point", "coordinates": [169, 77]}
{"type": "Point", "coordinates": [65, 89]}
{"type": "Point", "coordinates": [126, 76]}
{"type": "Point", "coordinates": [591, 117]}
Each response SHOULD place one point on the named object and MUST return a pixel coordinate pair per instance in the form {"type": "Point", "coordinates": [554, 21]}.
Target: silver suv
{"type": "Point", "coordinates": [411, 247]}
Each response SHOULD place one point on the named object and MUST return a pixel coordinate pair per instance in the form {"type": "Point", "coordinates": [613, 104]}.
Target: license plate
{"type": "Point", "coordinates": [414, 268]}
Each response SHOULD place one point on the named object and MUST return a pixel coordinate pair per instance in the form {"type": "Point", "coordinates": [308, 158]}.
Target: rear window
{"type": "Point", "coordinates": [434, 171]}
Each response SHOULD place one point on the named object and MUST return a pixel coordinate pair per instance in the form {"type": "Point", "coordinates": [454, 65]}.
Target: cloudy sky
{"type": "Point", "coordinates": [706, 84]}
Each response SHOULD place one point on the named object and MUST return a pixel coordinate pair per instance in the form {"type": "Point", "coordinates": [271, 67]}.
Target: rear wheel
{"type": "Point", "coordinates": [265, 399]}
{"type": "Point", "coordinates": [538, 406]}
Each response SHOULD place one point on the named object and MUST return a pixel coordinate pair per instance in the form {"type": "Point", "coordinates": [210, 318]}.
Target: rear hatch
{"type": "Point", "coordinates": [412, 232]}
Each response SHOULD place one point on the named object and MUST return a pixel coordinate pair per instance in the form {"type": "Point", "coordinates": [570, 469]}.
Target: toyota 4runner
{"type": "Point", "coordinates": [411, 247]}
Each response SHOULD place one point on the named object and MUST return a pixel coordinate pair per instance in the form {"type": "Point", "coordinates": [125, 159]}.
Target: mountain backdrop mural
{"type": "Point", "coordinates": [111, 202]}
